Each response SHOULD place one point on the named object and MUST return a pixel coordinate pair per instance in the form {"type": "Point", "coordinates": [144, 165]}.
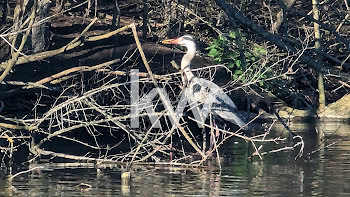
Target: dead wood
{"type": "Point", "coordinates": [281, 15]}
{"type": "Point", "coordinates": [18, 127]}
{"type": "Point", "coordinates": [40, 56]}
{"type": "Point", "coordinates": [97, 103]}
{"type": "Point", "coordinates": [71, 45]}
{"type": "Point", "coordinates": [75, 69]}
{"type": "Point", "coordinates": [13, 60]}
{"type": "Point", "coordinates": [236, 16]}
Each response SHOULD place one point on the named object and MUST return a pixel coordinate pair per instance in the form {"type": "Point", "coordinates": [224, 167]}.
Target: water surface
{"type": "Point", "coordinates": [323, 173]}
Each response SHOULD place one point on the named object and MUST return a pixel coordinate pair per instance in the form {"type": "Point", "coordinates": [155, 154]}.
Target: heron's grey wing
{"type": "Point", "coordinates": [227, 110]}
{"type": "Point", "coordinates": [203, 91]}
{"type": "Point", "coordinates": [222, 105]}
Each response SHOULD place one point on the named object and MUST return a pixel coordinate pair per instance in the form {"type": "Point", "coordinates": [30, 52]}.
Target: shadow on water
{"type": "Point", "coordinates": [325, 172]}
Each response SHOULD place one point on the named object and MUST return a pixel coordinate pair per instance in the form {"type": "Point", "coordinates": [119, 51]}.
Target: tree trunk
{"type": "Point", "coordinates": [321, 93]}
{"type": "Point", "coordinates": [3, 11]}
{"type": "Point", "coordinates": [145, 19]}
{"type": "Point", "coordinates": [170, 16]}
{"type": "Point", "coordinates": [281, 15]}
{"type": "Point", "coordinates": [41, 33]}
{"type": "Point", "coordinates": [116, 15]}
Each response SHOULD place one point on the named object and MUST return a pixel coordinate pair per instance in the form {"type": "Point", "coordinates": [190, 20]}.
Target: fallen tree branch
{"type": "Point", "coordinates": [235, 15]}
{"type": "Point", "coordinates": [38, 151]}
{"type": "Point", "coordinates": [25, 84]}
{"type": "Point", "coordinates": [18, 127]}
{"type": "Point", "coordinates": [322, 24]}
{"type": "Point", "coordinates": [75, 69]}
{"type": "Point", "coordinates": [91, 68]}
{"type": "Point", "coordinates": [71, 45]}
{"type": "Point", "coordinates": [40, 56]}
{"type": "Point", "coordinates": [26, 171]}
{"type": "Point", "coordinates": [10, 63]}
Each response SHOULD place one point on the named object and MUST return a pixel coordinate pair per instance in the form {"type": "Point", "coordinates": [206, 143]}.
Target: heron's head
{"type": "Point", "coordinates": [185, 40]}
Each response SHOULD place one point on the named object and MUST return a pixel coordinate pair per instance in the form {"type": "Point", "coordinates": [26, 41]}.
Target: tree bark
{"type": "Point", "coordinates": [321, 93]}
{"type": "Point", "coordinates": [281, 15]}
{"type": "Point", "coordinates": [145, 19]}
{"type": "Point", "coordinates": [3, 10]}
{"type": "Point", "coordinates": [41, 33]}
{"type": "Point", "coordinates": [116, 15]}
{"type": "Point", "coordinates": [170, 16]}
{"type": "Point", "coordinates": [15, 55]}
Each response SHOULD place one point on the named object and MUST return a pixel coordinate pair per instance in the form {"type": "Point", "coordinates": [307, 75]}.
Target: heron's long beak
{"type": "Point", "coordinates": [170, 41]}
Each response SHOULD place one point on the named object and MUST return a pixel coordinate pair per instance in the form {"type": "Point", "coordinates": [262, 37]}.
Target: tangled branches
{"type": "Point", "coordinates": [101, 116]}
{"type": "Point", "coordinates": [91, 121]}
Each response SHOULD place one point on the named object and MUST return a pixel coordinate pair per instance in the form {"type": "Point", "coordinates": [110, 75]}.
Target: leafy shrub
{"type": "Point", "coordinates": [224, 50]}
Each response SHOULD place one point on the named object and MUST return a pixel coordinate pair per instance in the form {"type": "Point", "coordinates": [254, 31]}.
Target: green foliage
{"type": "Point", "coordinates": [224, 50]}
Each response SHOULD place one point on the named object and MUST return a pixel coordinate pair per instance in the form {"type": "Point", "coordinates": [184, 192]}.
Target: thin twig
{"type": "Point", "coordinates": [26, 171]}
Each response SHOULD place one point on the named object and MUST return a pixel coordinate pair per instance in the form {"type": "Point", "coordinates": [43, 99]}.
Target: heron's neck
{"type": "Point", "coordinates": [186, 62]}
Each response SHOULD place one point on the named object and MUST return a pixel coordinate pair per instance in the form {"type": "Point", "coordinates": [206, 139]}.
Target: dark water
{"type": "Point", "coordinates": [323, 173]}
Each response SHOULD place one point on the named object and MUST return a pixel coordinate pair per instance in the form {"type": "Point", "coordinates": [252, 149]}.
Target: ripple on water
{"type": "Point", "coordinates": [324, 173]}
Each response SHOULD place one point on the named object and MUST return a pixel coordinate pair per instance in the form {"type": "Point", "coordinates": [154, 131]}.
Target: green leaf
{"type": "Point", "coordinates": [218, 59]}
{"type": "Point", "coordinates": [230, 65]}
{"type": "Point", "coordinates": [238, 72]}
{"type": "Point", "coordinates": [213, 52]}
{"type": "Point", "coordinates": [262, 50]}
{"type": "Point", "coordinates": [221, 38]}
{"type": "Point", "coordinates": [258, 50]}
{"type": "Point", "coordinates": [232, 55]}
{"type": "Point", "coordinates": [209, 47]}
{"type": "Point", "coordinates": [232, 34]}
{"type": "Point", "coordinates": [215, 45]}
{"type": "Point", "coordinates": [238, 63]}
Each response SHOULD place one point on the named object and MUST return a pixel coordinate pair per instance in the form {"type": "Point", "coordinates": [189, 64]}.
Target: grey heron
{"type": "Point", "coordinates": [201, 91]}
